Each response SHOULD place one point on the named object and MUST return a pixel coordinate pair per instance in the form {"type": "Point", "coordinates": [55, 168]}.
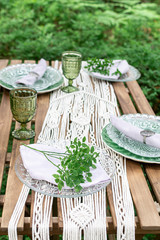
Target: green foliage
{"type": "Point", "coordinates": [103, 67]}
{"type": "Point", "coordinates": [75, 164]}
{"type": "Point", "coordinates": [4, 237]}
{"type": "Point", "coordinates": [141, 51]}
{"type": "Point", "coordinates": [149, 237]}
{"type": "Point", "coordinates": [123, 29]}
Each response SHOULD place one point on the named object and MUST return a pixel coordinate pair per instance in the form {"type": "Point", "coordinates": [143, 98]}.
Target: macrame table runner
{"type": "Point", "coordinates": [80, 114]}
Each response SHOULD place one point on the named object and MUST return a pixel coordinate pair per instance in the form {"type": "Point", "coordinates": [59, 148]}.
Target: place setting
{"type": "Point", "coordinates": [110, 70]}
{"type": "Point", "coordinates": [39, 76]}
{"type": "Point", "coordinates": [134, 136]}
{"type": "Point", "coordinates": [27, 81]}
{"type": "Point", "coordinates": [44, 168]}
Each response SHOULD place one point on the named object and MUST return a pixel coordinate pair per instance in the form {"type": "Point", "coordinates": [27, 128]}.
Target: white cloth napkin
{"type": "Point", "coordinates": [34, 75]}
{"type": "Point", "coordinates": [40, 168]}
{"type": "Point", "coordinates": [134, 132]}
{"type": "Point", "coordinates": [121, 65]}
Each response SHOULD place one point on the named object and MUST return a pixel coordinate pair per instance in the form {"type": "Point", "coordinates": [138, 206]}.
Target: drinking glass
{"type": "Point", "coordinates": [71, 66]}
{"type": "Point", "coordinates": [23, 105]}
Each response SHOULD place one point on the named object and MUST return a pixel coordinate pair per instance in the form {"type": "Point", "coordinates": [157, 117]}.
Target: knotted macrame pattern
{"type": "Point", "coordinates": [80, 114]}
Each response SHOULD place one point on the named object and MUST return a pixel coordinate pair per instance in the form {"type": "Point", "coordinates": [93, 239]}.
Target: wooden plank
{"type": "Point", "coordinates": [111, 204]}
{"type": "Point", "coordinates": [123, 98]}
{"type": "Point", "coordinates": [16, 61]}
{"type": "Point", "coordinates": [148, 219]}
{"type": "Point", "coordinates": [20, 237]}
{"type": "Point", "coordinates": [14, 185]}
{"type": "Point", "coordinates": [5, 124]}
{"type": "Point", "coordinates": [3, 63]}
{"type": "Point", "coordinates": [152, 170]}
{"type": "Point", "coordinates": [139, 236]}
{"type": "Point", "coordinates": [60, 218]}
{"type": "Point", "coordinates": [42, 107]}
{"type": "Point", "coordinates": [146, 210]}
{"type": "Point", "coordinates": [142, 104]}
{"type": "Point", "coordinates": [153, 173]}
{"type": "Point", "coordinates": [2, 198]}
{"type": "Point", "coordinates": [8, 158]}
{"type": "Point", "coordinates": [111, 237]}
{"type": "Point", "coordinates": [13, 189]}
{"type": "Point", "coordinates": [29, 61]}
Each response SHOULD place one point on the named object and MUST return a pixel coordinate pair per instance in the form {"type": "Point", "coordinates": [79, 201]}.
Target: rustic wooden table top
{"type": "Point", "coordinates": [147, 220]}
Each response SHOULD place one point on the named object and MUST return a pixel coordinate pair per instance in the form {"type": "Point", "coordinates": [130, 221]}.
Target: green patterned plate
{"type": "Point", "coordinates": [142, 121]}
{"type": "Point", "coordinates": [154, 121]}
{"type": "Point", "coordinates": [51, 80]}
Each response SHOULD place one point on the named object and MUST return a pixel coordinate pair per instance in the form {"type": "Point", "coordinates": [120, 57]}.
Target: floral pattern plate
{"type": "Point", "coordinates": [51, 80]}
{"type": "Point", "coordinates": [140, 120]}
{"type": "Point", "coordinates": [132, 74]}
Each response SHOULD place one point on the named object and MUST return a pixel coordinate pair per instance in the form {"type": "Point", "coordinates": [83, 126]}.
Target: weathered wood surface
{"type": "Point", "coordinates": [131, 100]}
{"type": "Point", "coordinates": [140, 192]}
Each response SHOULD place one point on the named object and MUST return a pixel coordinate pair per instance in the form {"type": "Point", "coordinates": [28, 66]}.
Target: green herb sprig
{"type": "Point", "coordinates": [75, 164]}
{"type": "Point", "coordinates": [101, 66]}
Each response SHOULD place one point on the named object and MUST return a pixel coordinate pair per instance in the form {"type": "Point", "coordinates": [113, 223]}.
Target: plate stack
{"type": "Point", "coordinates": [130, 148]}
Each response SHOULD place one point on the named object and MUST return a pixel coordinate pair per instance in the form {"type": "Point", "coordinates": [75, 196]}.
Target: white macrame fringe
{"type": "Point", "coordinates": [122, 201]}
{"type": "Point", "coordinates": [87, 214]}
{"type": "Point", "coordinates": [41, 217]}
{"type": "Point", "coordinates": [12, 227]}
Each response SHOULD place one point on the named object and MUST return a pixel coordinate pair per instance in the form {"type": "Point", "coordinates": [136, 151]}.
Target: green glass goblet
{"type": "Point", "coordinates": [71, 66]}
{"type": "Point", "coordinates": [23, 105]}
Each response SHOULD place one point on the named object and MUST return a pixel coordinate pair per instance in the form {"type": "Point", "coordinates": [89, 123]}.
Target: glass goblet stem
{"type": "Point", "coordinates": [23, 126]}
{"type": "Point", "coordinates": [70, 82]}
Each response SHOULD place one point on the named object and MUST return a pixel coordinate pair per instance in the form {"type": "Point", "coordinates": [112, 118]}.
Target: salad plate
{"type": "Point", "coordinates": [51, 80]}
{"type": "Point", "coordinates": [128, 147]}
{"type": "Point", "coordinates": [132, 74]}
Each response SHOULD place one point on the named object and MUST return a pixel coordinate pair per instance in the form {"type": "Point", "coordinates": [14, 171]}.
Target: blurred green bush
{"type": "Point", "coordinates": [117, 29]}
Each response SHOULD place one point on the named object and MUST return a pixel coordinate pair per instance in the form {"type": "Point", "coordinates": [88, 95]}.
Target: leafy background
{"type": "Point", "coordinates": [116, 29]}
{"type": "Point", "coordinates": [31, 29]}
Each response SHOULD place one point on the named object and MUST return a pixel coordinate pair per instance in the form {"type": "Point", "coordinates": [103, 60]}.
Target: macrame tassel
{"type": "Point", "coordinates": [87, 214]}
{"type": "Point", "coordinates": [41, 217]}
{"type": "Point", "coordinates": [122, 201]}
{"type": "Point", "coordinates": [96, 230]}
{"type": "Point", "coordinates": [12, 227]}
{"type": "Point", "coordinates": [46, 217]}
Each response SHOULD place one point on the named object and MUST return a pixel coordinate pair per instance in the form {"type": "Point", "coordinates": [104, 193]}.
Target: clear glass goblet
{"type": "Point", "coordinates": [23, 106]}
{"type": "Point", "coordinates": [71, 66]}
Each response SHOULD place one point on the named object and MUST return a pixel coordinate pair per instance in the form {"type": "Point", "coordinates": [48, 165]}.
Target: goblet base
{"type": "Point", "coordinates": [22, 134]}
{"type": "Point", "coordinates": [69, 89]}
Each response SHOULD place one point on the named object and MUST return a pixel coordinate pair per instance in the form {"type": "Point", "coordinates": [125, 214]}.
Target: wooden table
{"type": "Point", "coordinates": [140, 176]}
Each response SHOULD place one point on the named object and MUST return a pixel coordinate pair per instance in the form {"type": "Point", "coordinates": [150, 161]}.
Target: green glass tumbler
{"type": "Point", "coordinates": [23, 106]}
{"type": "Point", "coordinates": [71, 66]}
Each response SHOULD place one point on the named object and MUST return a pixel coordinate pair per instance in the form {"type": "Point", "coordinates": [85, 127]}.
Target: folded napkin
{"type": "Point", "coordinates": [34, 75]}
{"type": "Point", "coordinates": [133, 132]}
{"type": "Point", "coordinates": [40, 168]}
{"type": "Point", "coordinates": [121, 65]}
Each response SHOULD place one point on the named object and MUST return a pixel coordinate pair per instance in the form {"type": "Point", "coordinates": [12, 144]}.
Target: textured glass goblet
{"type": "Point", "coordinates": [71, 66]}
{"type": "Point", "coordinates": [23, 105]}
